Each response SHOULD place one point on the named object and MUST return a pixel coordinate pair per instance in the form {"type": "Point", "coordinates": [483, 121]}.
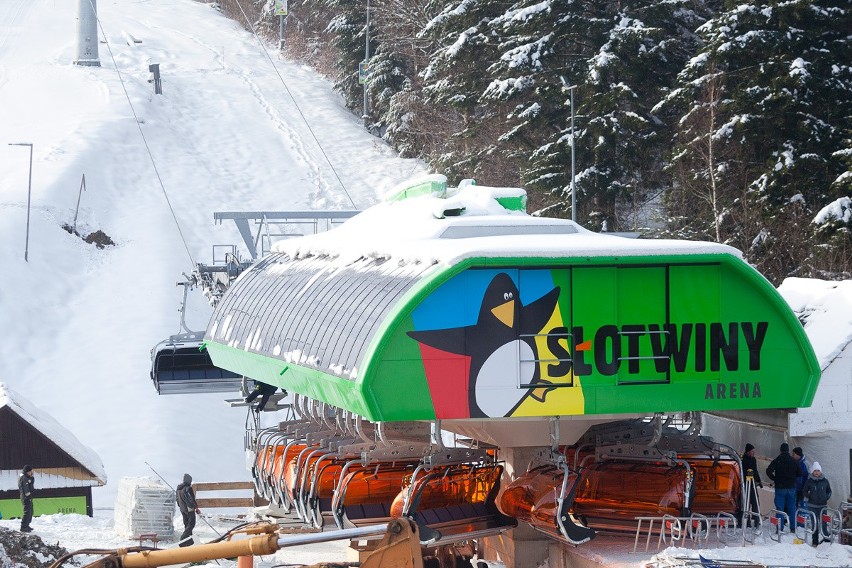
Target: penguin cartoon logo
{"type": "Point", "coordinates": [503, 335]}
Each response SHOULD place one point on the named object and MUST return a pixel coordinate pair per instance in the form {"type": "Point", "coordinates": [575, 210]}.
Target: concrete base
{"type": "Point", "coordinates": [88, 62]}
{"type": "Point", "coordinates": [518, 548]}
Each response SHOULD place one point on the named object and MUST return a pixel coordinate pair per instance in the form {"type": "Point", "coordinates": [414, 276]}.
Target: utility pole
{"type": "Point", "coordinates": [573, 163]}
{"type": "Point", "coordinates": [87, 34]}
{"type": "Point", "coordinates": [29, 196]}
{"type": "Point", "coordinates": [366, 64]}
{"type": "Point", "coordinates": [281, 10]}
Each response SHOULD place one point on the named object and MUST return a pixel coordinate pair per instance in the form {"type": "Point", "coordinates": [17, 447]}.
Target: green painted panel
{"type": "Point", "coordinates": [594, 315]}
{"type": "Point", "coordinates": [398, 387]}
{"type": "Point", "coordinates": [695, 298]}
{"type": "Point", "coordinates": [11, 508]}
{"type": "Point", "coordinates": [642, 304]}
{"type": "Point", "coordinates": [339, 392]}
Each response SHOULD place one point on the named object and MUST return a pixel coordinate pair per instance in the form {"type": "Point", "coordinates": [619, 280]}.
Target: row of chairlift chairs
{"type": "Point", "coordinates": [328, 466]}
{"type": "Point", "coordinates": [331, 468]}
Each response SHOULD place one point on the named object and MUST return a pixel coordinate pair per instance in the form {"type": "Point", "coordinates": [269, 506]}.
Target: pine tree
{"type": "Point", "coordinates": [622, 57]}
{"type": "Point", "coordinates": [543, 47]}
{"type": "Point", "coordinates": [346, 28]}
{"type": "Point", "coordinates": [779, 126]}
{"type": "Point", "coordinates": [465, 142]}
{"type": "Point", "coordinates": [396, 84]}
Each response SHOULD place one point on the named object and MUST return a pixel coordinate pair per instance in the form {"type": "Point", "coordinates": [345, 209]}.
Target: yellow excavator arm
{"type": "Point", "coordinates": [398, 548]}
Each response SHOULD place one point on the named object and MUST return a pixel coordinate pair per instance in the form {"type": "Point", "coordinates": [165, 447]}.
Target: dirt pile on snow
{"type": "Point", "coordinates": [19, 549]}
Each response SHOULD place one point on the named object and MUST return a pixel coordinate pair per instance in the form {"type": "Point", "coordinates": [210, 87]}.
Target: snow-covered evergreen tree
{"type": "Point", "coordinates": [467, 128]}
{"type": "Point", "coordinates": [764, 126]}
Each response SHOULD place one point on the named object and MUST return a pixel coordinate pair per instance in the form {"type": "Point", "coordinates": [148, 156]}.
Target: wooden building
{"type": "Point", "coordinates": [65, 469]}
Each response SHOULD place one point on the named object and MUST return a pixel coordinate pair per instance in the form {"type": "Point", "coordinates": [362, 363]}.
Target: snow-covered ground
{"type": "Point", "coordinates": [78, 532]}
{"type": "Point", "coordinates": [226, 134]}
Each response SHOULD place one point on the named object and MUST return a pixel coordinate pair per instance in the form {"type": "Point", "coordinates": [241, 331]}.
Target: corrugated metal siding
{"type": "Point", "coordinates": [22, 444]}
{"type": "Point", "coordinates": [311, 311]}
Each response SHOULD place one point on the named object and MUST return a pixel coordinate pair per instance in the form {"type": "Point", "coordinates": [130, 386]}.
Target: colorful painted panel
{"type": "Point", "coordinates": [609, 339]}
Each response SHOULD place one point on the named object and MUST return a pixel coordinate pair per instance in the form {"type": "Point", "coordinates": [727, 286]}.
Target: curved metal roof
{"type": "Point", "coordinates": [315, 311]}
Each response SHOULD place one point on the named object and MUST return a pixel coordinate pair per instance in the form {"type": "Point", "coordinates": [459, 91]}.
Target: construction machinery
{"type": "Point", "coordinates": [397, 547]}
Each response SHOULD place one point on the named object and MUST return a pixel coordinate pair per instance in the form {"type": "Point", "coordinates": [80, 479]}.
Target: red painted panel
{"type": "Point", "coordinates": [447, 375]}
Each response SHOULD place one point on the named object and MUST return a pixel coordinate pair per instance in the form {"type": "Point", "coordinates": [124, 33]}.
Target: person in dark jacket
{"type": "Point", "coordinates": [188, 508]}
{"type": "Point", "coordinates": [750, 469]}
{"type": "Point", "coordinates": [817, 492]}
{"type": "Point", "coordinates": [783, 471]}
{"type": "Point", "coordinates": [264, 391]}
{"type": "Point", "coordinates": [26, 486]}
{"type": "Point", "coordinates": [804, 466]}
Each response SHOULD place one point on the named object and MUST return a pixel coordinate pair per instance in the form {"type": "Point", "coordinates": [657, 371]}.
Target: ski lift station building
{"type": "Point", "coordinates": [65, 469]}
{"type": "Point", "coordinates": [454, 304]}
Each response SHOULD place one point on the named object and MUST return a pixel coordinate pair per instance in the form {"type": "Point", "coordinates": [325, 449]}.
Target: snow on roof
{"type": "Point", "coordinates": [470, 222]}
{"type": "Point", "coordinates": [53, 431]}
{"type": "Point", "coordinates": [825, 308]}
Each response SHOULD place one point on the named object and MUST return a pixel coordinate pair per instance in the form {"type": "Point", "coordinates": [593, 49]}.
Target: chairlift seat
{"type": "Point", "coordinates": [457, 502]}
{"type": "Point", "coordinates": [178, 366]}
{"type": "Point", "coordinates": [365, 495]}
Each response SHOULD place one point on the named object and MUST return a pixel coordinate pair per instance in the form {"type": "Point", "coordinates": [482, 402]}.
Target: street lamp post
{"type": "Point", "coordinates": [29, 195]}
{"type": "Point", "coordinates": [367, 62]}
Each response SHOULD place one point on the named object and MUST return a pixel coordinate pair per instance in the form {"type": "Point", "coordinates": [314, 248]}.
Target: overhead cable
{"type": "Point", "coordinates": [286, 88]}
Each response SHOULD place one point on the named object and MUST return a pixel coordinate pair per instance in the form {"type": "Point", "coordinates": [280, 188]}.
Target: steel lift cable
{"type": "Point", "coordinates": [286, 88]}
{"type": "Point", "coordinates": [142, 133]}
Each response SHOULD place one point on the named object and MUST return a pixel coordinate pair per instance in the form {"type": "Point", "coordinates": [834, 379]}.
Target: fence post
{"type": "Point", "coordinates": [154, 68]}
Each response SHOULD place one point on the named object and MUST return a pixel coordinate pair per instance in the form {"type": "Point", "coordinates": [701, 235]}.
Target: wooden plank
{"type": "Point", "coordinates": [225, 502]}
{"type": "Point", "coordinates": [223, 485]}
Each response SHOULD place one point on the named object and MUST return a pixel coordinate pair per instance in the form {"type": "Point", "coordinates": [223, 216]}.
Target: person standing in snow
{"type": "Point", "coordinates": [188, 508]}
{"type": "Point", "coordinates": [783, 471]}
{"type": "Point", "coordinates": [817, 492]}
{"type": "Point", "coordinates": [750, 468]}
{"type": "Point", "coordinates": [804, 466]}
{"type": "Point", "coordinates": [26, 485]}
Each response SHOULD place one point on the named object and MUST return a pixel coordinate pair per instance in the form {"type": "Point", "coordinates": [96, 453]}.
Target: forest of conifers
{"type": "Point", "coordinates": [721, 121]}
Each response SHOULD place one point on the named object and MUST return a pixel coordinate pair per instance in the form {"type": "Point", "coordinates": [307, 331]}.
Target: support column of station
{"type": "Point", "coordinates": [521, 546]}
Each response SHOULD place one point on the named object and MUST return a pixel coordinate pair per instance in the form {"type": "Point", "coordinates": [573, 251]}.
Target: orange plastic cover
{"type": "Point", "coordinates": [450, 486]}
{"type": "Point", "coordinates": [373, 484]}
{"type": "Point", "coordinates": [532, 497]}
{"type": "Point", "coordinates": [620, 491]}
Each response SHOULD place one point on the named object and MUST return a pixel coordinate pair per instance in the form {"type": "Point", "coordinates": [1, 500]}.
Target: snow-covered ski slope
{"type": "Point", "coordinates": [78, 322]}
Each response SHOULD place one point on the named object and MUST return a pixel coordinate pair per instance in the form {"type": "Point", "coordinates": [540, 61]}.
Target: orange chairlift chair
{"type": "Point", "coordinates": [543, 497]}
{"type": "Point", "coordinates": [455, 500]}
{"type": "Point", "coordinates": [650, 469]}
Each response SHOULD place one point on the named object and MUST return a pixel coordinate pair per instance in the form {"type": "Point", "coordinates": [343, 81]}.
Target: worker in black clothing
{"type": "Point", "coordinates": [783, 471]}
{"type": "Point", "coordinates": [750, 469]}
{"type": "Point", "coordinates": [264, 391]}
{"type": "Point", "coordinates": [26, 485]}
{"type": "Point", "coordinates": [188, 508]}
